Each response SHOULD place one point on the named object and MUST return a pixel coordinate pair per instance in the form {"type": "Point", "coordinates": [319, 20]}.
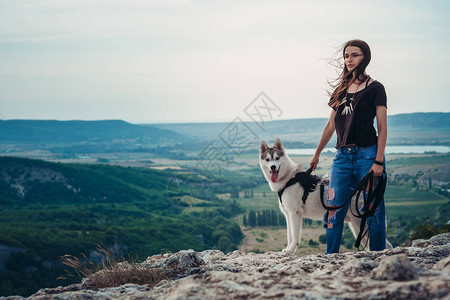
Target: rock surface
{"type": "Point", "coordinates": [421, 271]}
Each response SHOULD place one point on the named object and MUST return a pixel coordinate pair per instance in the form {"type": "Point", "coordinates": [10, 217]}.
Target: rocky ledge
{"type": "Point", "coordinates": [421, 271]}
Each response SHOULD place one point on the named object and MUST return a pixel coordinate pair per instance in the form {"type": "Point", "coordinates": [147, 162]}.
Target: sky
{"type": "Point", "coordinates": [172, 61]}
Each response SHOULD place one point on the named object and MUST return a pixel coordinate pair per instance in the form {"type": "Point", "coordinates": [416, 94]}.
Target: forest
{"type": "Point", "coordinates": [50, 209]}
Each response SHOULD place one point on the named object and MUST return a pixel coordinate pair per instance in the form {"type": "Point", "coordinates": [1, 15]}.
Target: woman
{"type": "Point", "coordinates": [355, 102]}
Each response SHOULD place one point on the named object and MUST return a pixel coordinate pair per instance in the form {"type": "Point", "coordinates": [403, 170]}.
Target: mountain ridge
{"type": "Point", "coordinates": [309, 130]}
{"type": "Point", "coordinates": [79, 131]}
{"type": "Point", "coordinates": [69, 139]}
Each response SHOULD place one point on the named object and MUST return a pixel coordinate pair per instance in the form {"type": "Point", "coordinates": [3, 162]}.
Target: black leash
{"type": "Point", "coordinates": [372, 199]}
{"type": "Point", "coordinates": [326, 207]}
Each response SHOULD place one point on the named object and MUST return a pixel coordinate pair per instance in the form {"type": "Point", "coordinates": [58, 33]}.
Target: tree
{"type": "Point", "coordinates": [274, 217]}
{"type": "Point", "coordinates": [235, 192]}
{"type": "Point", "coordinates": [224, 243]}
{"type": "Point", "coordinates": [424, 231]}
{"type": "Point", "coordinates": [252, 218]}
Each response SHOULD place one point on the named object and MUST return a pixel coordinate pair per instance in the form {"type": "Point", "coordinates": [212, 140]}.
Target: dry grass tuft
{"type": "Point", "coordinates": [112, 271]}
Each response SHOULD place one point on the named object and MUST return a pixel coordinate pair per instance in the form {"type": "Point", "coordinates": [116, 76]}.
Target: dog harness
{"type": "Point", "coordinates": [306, 180]}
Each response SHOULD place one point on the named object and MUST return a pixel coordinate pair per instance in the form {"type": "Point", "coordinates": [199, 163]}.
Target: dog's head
{"type": "Point", "coordinates": [271, 159]}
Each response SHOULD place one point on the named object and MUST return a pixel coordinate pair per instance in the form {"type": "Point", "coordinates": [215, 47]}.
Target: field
{"type": "Point", "coordinates": [263, 239]}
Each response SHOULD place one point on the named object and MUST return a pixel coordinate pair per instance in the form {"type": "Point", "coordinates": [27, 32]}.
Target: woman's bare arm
{"type": "Point", "coordinates": [327, 133]}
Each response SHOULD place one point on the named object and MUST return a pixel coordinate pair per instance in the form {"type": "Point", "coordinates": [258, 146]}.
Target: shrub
{"type": "Point", "coordinates": [323, 238]}
{"type": "Point", "coordinates": [313, 243]}
{"type": "Point", "coordinates": [424, 231]}
{"type": "Point", "coordinates": [349, 244]}
{"type": "Point", "coordinates": [113, 272]}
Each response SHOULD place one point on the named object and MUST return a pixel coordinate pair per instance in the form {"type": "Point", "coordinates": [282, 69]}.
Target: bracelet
{"type": "Point", "coordinates": [380, 163]}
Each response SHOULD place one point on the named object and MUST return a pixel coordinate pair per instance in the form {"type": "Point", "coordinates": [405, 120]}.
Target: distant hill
{"type": "Point", "coordinates": [421, 120]}
{"type": "Point", "coordinates": [434, 129]}
{"type": "Point", "coordinates": [413, 120]}
{"type": "Point", "coordinates": [52, 131]}
{"type": "Point", "coordinates": [120, 136]}
{"type": "Point", "coordinates": [29, 181]}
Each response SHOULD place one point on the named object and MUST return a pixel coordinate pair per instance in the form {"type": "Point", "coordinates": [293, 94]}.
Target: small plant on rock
{"type": "Point", "coordinates": [112, 271]}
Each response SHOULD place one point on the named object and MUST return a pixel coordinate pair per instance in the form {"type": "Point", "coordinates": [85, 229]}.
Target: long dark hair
{"type": "Point", "coordinates": [346, 78]}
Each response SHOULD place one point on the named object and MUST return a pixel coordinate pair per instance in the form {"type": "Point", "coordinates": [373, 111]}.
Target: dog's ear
{"type": "Point", "coordinates": [278, 144]}
{"type": "Point", "coordinates": [263, 148]}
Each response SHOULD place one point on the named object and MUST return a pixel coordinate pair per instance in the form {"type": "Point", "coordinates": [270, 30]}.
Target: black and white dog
{"type": "Point", "coordinates": [278, 169]}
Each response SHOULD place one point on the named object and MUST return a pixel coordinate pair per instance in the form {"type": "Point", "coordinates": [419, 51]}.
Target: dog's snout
{"type": "Point", "coordinates": [273, 167]}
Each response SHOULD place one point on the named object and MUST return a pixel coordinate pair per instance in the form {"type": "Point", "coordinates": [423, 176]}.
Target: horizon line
{"type": "Point", "coordinates": [193, 122]}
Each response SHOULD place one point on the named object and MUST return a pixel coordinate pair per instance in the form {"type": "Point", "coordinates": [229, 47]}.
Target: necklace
{"type": "Point", "coordinates": [348, 109]}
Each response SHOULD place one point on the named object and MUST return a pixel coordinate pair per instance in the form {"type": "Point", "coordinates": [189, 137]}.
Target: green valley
{"type": "Point", "coordinates": [51, 209]}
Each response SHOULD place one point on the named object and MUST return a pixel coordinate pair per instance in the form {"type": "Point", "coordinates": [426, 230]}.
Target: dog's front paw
{"type": "Point", "coordinates": [288, 246]}
{"type": "Point", "coordinates": [290, 249]}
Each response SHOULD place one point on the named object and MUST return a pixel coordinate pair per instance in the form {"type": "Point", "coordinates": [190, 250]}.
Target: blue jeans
{"type": "Point", "coordinates": [349, 166]}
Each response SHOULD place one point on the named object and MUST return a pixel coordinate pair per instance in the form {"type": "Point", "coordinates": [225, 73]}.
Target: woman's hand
{"type": "Point", "coordinates": [314, 162]}
{"type": "Point", "coordinates": [377, 170]}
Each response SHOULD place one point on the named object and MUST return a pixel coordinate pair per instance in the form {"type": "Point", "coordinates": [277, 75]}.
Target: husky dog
{"type": "Point", "coordinates": [278, 169]}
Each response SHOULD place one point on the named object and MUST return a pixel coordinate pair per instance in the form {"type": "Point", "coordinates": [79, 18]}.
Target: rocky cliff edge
{"type": "Point", "coordinates": [421, 271]}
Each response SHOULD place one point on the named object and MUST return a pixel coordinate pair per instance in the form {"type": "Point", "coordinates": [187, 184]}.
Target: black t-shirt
{"type": "Point", "coordinates": [355, 115]}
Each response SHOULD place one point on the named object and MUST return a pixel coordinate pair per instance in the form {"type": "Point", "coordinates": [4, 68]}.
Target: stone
{"type": "Point", "coordinates": [418, 272]}
{"type": "Point", "coordinates": [397, 267]}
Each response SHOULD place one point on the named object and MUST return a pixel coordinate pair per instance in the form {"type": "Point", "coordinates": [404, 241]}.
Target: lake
{"type": "Point", "coordinates": [389, 150]}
